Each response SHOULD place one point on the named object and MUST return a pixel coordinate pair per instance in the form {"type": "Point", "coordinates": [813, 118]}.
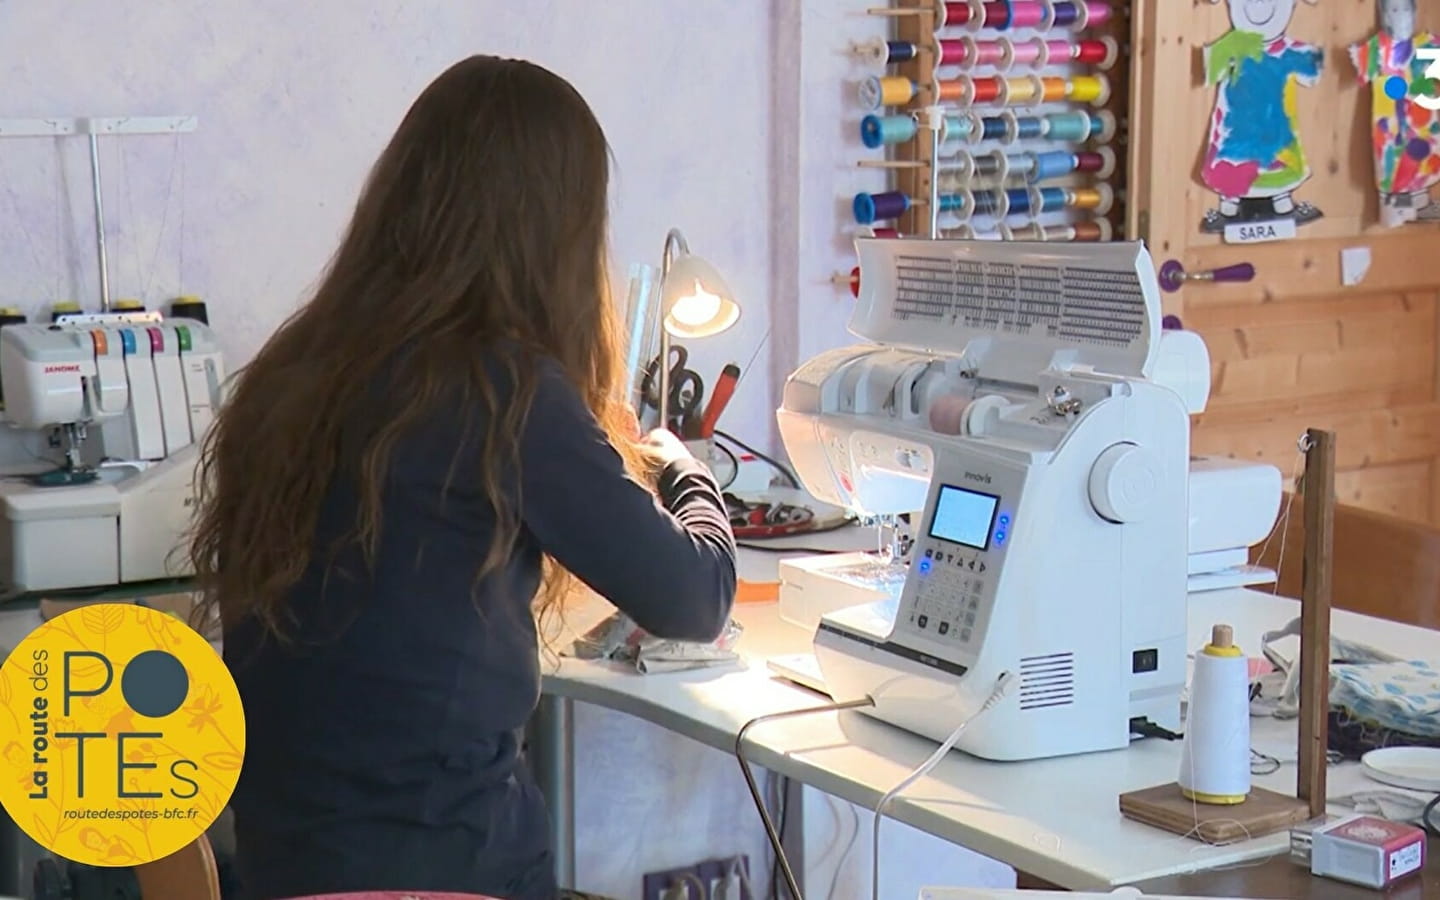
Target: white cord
{"type": "Point", "coordinates": [1002, 684]}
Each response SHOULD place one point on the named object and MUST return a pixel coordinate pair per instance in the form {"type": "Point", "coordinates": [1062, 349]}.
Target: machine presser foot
{"type": "Point", "coordinates": [63, 477]}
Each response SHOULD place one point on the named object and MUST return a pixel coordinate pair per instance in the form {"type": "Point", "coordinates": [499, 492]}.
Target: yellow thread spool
{"type": "Point", "coordinates": [1090, 89]}
{"type": "Point", "coordinates": [1019, 91]}
{"type": "Point", "coordinates": [896, 91]}
{"type": "Point", "coordinates": [1086, 198]}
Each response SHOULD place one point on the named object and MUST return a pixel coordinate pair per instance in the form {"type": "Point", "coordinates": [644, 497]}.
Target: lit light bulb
{"type": "Point", "coordinates": [698, 308]}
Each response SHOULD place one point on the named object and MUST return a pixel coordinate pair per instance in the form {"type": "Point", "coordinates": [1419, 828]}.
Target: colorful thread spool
{"type": "Point", "coordinates": [1099, 230]}
{"type": "Point", "coordinates": [877, 92]}
{"type": "Point", "coordinates": [988, 203]}
{"type": "Point", "coordinates": [1053, 164]}
{"type": "Point", "coordinates": [1096, 199]}
{"type": "Point", "coordinates": [1055, 89]}
{"type": "Point", "coordinates": [1027, 90]}
{"type": "Point", "coordinates": [996, 15]}
{"type": "Point", "coordinates": [881, 131]}
{"type": "Point", "coordinates": [871, 208]}
{"type": "Point", "coordinates": [962, 128]}
{"type": "Point", "coordinates": [1046, 200]}
{"type": "Point", "coordinates": [1029, 14]}
{"type": "Point", "coordinates": [1097, 13]}
{"type": "Point", "coordinates": [1093, 89]}
{"type": "Point", "coordinates": [1099, 163]}
{"type": "Point", "coordinates": [1034, 53]}
{"type": "Point", "coordinates": [996, 128]}
{"type": "Point", "coordinates": [880, 52]}
{"type": "Point", "coordinates": [1101, 53]}
{"type": "Point", "coordinates": [953, 14]}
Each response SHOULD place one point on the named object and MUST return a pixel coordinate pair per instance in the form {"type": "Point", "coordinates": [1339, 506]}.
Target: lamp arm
{"type": "Point", "coordinates": [674, 243]}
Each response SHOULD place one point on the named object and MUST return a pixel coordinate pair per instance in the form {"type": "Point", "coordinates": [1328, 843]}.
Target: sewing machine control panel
{"type": "Point", "coordinates": [957, 559]}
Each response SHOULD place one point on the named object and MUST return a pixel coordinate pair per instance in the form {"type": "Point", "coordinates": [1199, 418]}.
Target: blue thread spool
{"type": "Point", "coordinates": [879, 131]}
{"type": "Point", "coordinates": [1067, 12]}
{"type": "Point", "coordinates": [1053, 164]}
{"type": "Point", "coordinates": [1018, 200]}
{"type": "Point", "coordinates": [1023, 165]}
{"type": "Point", "coordinates": [900, 51]}
{"type": "Point", "coordinates": [1029, 128]}
{"type": "Point", "coordinates": [992, 128]}
{"type": "Point", "coordinates": [870, 208]}
{"type": "Point", "coordinates": [1069, 126]}
{"type": "Point", "coordinates": [1052, 199]}
{"type": "Point", "coordinates": [987, 203]}
{"type": "Point", "coordinates": [952, 202]}
{"type": "Point", "coordinates": [959, 128]}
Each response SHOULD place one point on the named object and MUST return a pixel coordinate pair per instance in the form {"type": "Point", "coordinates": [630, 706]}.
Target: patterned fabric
{"type": "Point", "coordinates": [1400, 696]}
{"type": "Point", "coordinates": [1352, 738]}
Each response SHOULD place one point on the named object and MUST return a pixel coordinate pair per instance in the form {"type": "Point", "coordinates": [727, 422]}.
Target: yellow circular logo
{"type": "Point", "coordinates": [121, 732]}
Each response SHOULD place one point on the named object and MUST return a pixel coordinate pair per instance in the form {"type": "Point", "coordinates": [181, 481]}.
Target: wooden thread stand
{"type": "Point", "coordinates": [1265, 811]}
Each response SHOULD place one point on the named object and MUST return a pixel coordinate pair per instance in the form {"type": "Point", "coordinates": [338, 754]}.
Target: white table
{"type": "Point", "coordinates": [1055, 819]}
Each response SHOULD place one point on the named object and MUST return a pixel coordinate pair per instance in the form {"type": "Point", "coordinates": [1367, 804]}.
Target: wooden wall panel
{"type": "Point", "coordinates": [1297, 348]}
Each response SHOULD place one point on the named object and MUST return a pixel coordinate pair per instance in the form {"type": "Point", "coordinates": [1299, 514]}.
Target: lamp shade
{"type": "Point", "coordinates": [696, 300]}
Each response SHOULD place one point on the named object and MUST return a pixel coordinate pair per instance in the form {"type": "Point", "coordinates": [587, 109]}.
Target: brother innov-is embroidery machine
{"type": "Point", "coordinates": [1019, 401]}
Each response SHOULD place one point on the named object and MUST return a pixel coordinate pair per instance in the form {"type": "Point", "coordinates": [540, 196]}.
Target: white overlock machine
{"type": "Point", "coordinates": [1021, 403]}
{"type": "Point", "coordinates": [127, 398]}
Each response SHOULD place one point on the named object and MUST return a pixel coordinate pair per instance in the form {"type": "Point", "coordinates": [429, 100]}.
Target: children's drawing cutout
{"type": "Point", "coordinates": [1254, 159]}
{"type": "Point", "coordinates": [1402, 68]}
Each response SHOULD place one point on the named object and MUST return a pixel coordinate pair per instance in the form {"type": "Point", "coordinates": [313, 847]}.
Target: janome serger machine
{"type": "Point", "coordinates": [1009, 400]}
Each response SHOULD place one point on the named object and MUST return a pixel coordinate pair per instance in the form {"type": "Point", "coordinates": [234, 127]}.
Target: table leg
{"type": "Point", "coordinates": [552, 759]}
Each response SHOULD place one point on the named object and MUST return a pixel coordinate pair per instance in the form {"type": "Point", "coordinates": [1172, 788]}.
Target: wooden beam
{"type": "Point", "coordinates": [1319, 493]}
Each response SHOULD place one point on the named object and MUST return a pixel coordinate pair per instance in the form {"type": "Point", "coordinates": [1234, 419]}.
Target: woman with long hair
{"type": "Point", "coordinates": [412, 471]}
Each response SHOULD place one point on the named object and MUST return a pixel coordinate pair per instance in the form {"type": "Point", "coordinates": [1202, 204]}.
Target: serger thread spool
{"type": "Point", "coordinates": [884, 206]}
{"type": "Point", "coordinates": [892, 90]}
{"type": "Point", "coordinates": [1215, 755]}
{"type": "Point", "coordinates": [881, 131]}
{"type": "Point", "coordinates": [947, 413]}
{"type": "Point", "coordinates": [880, 52]}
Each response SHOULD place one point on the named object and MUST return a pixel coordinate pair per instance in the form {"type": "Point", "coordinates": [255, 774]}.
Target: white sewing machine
{"type": "Point", "coordinates": [1010, 397]}
{"type": "Point", "coordinates": [116, 510]}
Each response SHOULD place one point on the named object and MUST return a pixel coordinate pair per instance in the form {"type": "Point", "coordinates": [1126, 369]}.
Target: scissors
{"type": "Point", "coordinates": [686, 391]}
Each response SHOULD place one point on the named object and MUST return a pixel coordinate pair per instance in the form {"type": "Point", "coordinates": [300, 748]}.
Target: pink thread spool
{"type": "Point", "coordinates": [1034, 53]}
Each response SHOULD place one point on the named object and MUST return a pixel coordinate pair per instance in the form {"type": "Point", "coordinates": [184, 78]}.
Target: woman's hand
{"type": "Point", "coordinates": [662, 448]}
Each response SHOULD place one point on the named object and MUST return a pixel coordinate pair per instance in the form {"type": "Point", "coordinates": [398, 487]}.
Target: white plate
{"type": "Point", "coordinates": [1415, 768]}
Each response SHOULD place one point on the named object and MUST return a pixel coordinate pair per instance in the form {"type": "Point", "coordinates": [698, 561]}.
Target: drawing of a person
{"type": "Point", "coordinates": [1254, 159]}
{"type": "Point", "coordinates": [1405, 135]}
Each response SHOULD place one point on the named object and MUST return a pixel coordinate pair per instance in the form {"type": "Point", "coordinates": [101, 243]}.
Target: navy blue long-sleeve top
{"type": "Point", "coordinates": [384, 742]}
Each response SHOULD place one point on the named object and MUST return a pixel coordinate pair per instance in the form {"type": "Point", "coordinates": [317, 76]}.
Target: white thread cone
{"type": "Point", "coordinates": [1215, 758]}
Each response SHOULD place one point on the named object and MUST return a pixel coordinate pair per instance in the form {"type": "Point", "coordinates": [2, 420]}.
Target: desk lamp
{"type": "Point", "coordinates": [695, 302]}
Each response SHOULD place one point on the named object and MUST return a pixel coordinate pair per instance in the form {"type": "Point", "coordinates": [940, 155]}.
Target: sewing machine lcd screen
{"type": "Point", "coordinates": [964, 517]}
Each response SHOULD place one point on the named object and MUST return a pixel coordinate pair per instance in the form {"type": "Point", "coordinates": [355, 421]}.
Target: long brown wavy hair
{"type": "Point", "coordinates": [483, 222]}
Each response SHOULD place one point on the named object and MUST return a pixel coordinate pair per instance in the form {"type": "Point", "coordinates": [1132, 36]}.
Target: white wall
{"type": "Point", "coordinates": [733, 119]}
{"type": "Point", "coordinates": [295, 100]}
